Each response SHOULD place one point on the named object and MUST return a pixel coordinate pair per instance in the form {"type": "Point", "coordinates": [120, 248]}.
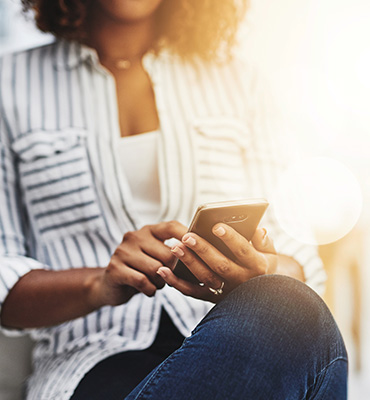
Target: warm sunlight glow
{"type": "Point", "coordinates": [322, 198]}
{"type": "Point", "coordinates": [347, 61]}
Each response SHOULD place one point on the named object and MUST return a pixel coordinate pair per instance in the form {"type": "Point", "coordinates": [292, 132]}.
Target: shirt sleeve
{"type": "Point", "coordinates": [272, 151]}
{"type": "Point", "coordinates": [14, 259]}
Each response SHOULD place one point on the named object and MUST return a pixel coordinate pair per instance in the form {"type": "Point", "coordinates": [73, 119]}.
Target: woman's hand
{"type": "Point", "coordinates": [46, 298]}
{"type": "Point", "coordinates": [217, 271]}
{"type": "Point", "coordinates": [134, 264]}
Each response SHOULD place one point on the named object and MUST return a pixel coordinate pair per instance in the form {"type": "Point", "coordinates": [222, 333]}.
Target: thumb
{"type": "Point", "coordinates": [262, 242]}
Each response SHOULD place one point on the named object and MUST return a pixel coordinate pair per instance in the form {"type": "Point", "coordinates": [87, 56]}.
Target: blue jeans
{"type": "Point", "coordinates": [271, 338]}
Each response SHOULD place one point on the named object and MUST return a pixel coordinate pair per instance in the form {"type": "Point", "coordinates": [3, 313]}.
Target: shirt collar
{"type": "Point", "coordinates": [70, 55]}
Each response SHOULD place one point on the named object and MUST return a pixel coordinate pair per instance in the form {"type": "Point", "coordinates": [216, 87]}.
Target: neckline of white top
{"type": "Point", "coordinates": [139, 136]}
{"type": "Point", "coordinates": [139, 160]}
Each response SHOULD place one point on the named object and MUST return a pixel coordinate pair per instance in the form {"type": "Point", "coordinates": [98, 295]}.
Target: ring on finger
{"type": "Point", "coordinates": [218, 291]}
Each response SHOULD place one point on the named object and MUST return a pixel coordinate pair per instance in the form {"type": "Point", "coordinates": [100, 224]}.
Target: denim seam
{"type": "Point", "coordinates": [160, 368]}
{"type": "Point", "coordinates": [323, 370]}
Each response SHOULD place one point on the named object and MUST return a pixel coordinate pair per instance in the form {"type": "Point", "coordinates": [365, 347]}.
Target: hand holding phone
{"type": "Point", "coordinates": [242, 215]}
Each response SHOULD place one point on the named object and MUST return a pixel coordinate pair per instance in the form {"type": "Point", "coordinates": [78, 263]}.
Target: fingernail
{"type": "Point", "coordinates": [177, 251]}
{"type": "Point", "coordinates": [189, 240]}
{"type": "Point", "coordinates": [162, 273]}
{"type": "Point", "coordinates": [220, 231]}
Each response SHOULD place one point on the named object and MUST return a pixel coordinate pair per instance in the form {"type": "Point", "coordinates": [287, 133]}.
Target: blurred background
{"type": "Point", "coordinates": [315, 55]}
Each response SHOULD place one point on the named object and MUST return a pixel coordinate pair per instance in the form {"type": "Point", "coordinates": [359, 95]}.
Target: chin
{"type": "Point", "coordinates": [128, 10]}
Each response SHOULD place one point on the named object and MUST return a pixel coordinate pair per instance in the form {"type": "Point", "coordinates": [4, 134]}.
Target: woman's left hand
{"type": "Point", "coordinates": [219, 274]}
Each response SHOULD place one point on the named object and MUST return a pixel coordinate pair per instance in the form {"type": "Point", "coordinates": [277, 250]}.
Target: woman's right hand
{"type": "Point", "coordinates": [46, 298]}
{"type": "Point", "coordinates": [133, 266]}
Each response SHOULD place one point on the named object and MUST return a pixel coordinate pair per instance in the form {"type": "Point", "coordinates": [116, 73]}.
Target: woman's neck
{"type": "Point", "coordinates": [114, 39]}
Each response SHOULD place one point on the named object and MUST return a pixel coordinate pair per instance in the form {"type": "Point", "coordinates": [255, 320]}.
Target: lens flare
{"type": "Point", "coordinates": [318, 200]}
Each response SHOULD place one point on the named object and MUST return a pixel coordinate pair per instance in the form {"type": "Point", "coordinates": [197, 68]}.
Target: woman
{"type": "Point", "coordinates": [134, 116]}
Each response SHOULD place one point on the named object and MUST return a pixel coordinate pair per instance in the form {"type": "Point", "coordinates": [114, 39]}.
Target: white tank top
{"type": "Point", "coordinates": [139, 159]}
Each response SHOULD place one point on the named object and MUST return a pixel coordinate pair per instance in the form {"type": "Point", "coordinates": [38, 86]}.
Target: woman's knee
{"type": "Point", "coordinates": [279, 316]}
{"type": "Point", "coordinates": [271, 338]}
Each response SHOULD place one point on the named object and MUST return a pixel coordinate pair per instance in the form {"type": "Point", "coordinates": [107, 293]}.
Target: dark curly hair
{"type": "Point", "coordinates": [188, 27]}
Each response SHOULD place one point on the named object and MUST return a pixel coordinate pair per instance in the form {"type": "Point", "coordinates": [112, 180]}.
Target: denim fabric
{"type": "Point", "coordinates": [271, 338]}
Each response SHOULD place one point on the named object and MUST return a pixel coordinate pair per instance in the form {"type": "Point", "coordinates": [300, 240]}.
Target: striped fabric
{"type": "Point", "coordinates": [65, 201]}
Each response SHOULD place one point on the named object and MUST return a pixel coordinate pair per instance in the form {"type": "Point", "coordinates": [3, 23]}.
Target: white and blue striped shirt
{"type": "Point", "coordinates": [65, 201]}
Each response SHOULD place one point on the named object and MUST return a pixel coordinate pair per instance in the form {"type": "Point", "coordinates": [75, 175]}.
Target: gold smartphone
{"type": "Point", "coordinates": [242, 215]}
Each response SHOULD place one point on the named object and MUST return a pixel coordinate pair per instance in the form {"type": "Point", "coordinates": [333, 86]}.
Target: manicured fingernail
{"type": "Point", "coordinates": [177, 251]}
{"type": "Point", "coordinates": [220, 231]}
{"type": "Point", "coordinates": [162, 272]}
{"type": "Point", "coordinates": [189, 240]}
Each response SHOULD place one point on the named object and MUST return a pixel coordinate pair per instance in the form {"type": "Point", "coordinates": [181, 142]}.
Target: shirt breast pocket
{"type": "Point", "coordinates": [222, 145]}
{"type": "Point", "coordinates": [57, 183]}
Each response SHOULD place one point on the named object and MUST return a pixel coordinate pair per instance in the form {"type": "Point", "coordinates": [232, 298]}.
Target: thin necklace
{"type": "Point", "coordinates": [122, 64]}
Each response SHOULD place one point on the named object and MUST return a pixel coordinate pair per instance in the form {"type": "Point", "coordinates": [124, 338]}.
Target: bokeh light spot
{"type": "Point", "coordinates": [318, 200]}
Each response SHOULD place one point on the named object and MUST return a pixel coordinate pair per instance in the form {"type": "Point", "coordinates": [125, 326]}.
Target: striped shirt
{"type": "Point", "coordinates": [65, 201]}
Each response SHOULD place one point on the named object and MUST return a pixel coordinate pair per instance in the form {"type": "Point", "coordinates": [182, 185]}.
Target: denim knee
{"type": "Point", "coordinates": [271, 338]}
{"type": "Point", "coordinates": [279, 310]}
{"type": "Point", "coordinates": [279, 327]}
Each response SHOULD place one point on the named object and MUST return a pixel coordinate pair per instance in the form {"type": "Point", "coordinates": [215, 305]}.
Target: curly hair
{"type": "Point", "coordinates": [204, 28]}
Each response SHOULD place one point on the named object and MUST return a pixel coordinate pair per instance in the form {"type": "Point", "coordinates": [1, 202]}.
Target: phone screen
{"type": "Point", "coordinates": [242, 215]}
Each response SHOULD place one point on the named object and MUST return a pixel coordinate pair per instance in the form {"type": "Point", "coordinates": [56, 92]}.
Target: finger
{"type": "Point", "coordinates": [244, 251]}
{"type": "Point", "coordinates": [217, 262]}
{"type": "Point", "coordinates": [140, 282]}
{"type": "Point", "coordinates": [168, 230]}
{"type": "Point", "coordinates": [120, 274]}
{"type": "Point", "coordinates": [144, 240]}
{"type": "Point", "coordinates": [185, 287]}
{"type": "Point", "coordinates": [141, 262]}
{"type": "Point", "coordinates": [198, 268]}
{"type": "Point", "coordinates": [158, 250]}
{"type": "Point", "coordinates": [262, 242]}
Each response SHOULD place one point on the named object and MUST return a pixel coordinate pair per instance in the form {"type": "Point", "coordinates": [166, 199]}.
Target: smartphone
{"type": "Point", "coordinates": [242, 215]}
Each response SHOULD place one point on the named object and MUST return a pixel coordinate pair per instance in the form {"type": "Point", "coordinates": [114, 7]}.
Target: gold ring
{"type": "Point", "coordinates": [218, 291]}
